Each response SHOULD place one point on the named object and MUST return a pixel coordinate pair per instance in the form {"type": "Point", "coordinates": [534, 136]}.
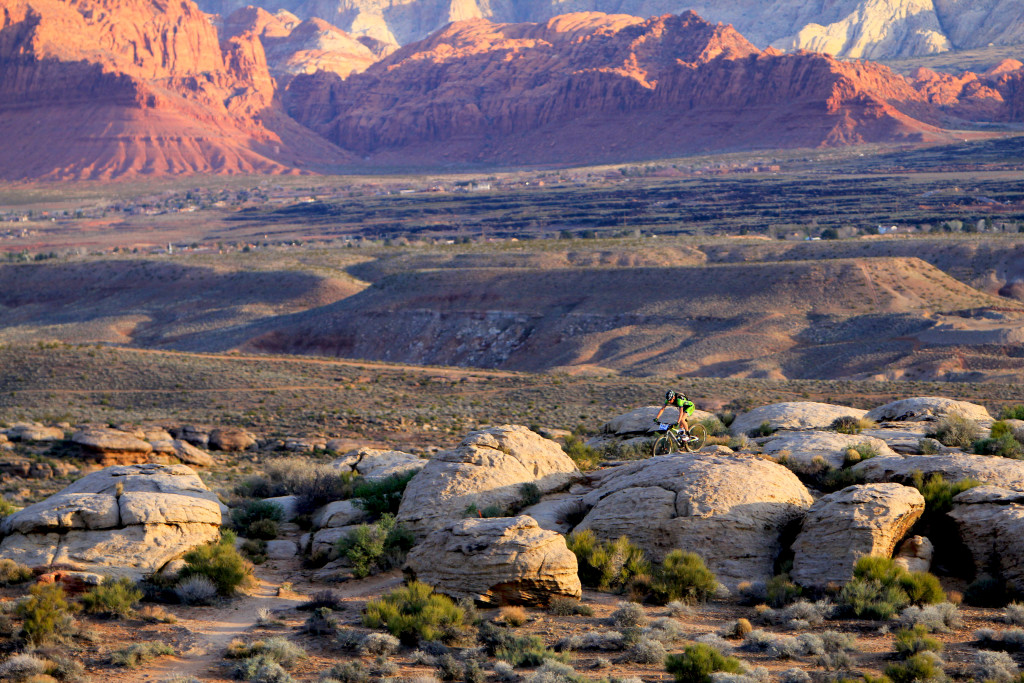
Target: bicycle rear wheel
{"type": "Point", "coordinates": [664, 445]}
{"type": "Point", "coordinates": [698, 435]}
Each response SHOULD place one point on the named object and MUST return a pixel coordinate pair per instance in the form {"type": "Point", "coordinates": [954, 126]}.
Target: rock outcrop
{"type": "Point", "coordinates": [34, 432]}
{"type": "Point", "coordinates": [803, 448]}
{"type": "Point", "coordinates": [843, 526]}
{"type": "Point", "coordinates": [729, 509]}
{"type": "Point", "coordinates": [112, 446]}
{"type": "Point", "coordinates": [487, 468]}
{"type": "Point", "coordinates": [915, 554]}
{"type": "Point", "coordinates": [231, 439]}
{"type": "Point", "coordinates": [505, 560]}
{"type": "Point", "coordinates": [123, 520]}
{"type": "Point", "coordinates": [991, 521]}
{"type": "Point", "coordinates": [373, 463]}
{"type": "Point", "coordinates": [792, 416]}
{"type": "Point", "coordinates": [987, 469]}
{"type": "Point", "coordinates": [927, 408]}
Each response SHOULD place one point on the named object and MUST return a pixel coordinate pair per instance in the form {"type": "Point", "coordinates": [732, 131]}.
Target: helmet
{"type": "Point", "coordinates": [670, 396]}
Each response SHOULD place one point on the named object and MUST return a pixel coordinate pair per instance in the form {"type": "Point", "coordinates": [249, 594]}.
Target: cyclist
{"type": "Point", "coordinates": [685, 405]}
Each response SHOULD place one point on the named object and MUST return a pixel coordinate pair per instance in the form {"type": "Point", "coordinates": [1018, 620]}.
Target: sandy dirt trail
{"type": "Point", "coordinates": [214, 630]}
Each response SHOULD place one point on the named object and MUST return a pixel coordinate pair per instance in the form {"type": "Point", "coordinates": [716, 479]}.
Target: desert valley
{"type": "Point", "coordinates": [335, 339]}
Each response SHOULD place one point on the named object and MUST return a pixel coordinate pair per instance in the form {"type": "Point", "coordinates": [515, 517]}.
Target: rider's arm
{"type": "Point", "coordinates": [658, 418]}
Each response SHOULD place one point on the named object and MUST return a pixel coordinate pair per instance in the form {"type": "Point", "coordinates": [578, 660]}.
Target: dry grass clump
{"type": "Point", "coordinates": [139, 653]}
{"type": "Point", "coordinates": [513, 615]}
{"type": "Point", "coordinates": [563, 606]}
{"type": "Point", "coordinates": [956, 430]}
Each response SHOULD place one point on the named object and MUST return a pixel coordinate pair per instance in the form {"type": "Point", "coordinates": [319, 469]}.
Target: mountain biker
{"type": "Point", "coordinates": [685, 405]}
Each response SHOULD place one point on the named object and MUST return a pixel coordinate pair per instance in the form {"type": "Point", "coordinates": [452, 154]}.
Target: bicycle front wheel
{"type": "Point", "coordinates": [698, 435]}
{"type": "Point", "coordinates": [664, 445]}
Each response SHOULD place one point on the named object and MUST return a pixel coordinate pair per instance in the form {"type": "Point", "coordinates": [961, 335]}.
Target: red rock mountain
{"type": "Point", "coordinates": [113, 88]}
{"type": "Point", "coordinates": [595, 87]}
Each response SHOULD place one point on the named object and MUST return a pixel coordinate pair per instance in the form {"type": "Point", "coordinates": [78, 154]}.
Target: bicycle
{"type": "Point", "coordinates": [674, 438]}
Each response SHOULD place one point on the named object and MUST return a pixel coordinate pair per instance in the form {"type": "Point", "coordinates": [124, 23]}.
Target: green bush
{"type": "Point", "coordinates": [262, 529]}
{"type": "Point", "coordinates": [780, 590]}
{"type": "Point", "coordinates": [6, 508]}
{"type": "Point", "coordinates": [697, 662]}
{"type": "Point", "coordinates": [606, 565]}
{"type": "Point", "coordinates": [764, 429]}
{"type": "Point", "coordinates": [376, 547]}
{"type": "Point", "coordinates": [112, 598]}
{"type": "Point", "coordinates": [382, 496]}
{"type": "Point", "coordinates": [585, 457]}
{"type": "Point", "coordinates": [255, 550]}
{"type": "Point", "coordinates": [254, 511]}
{"type": "Point", "coordinates": [880, 588]}
{"type": "Point", "coordinates": [221, 563]}
{"type": "Point", "coordinates": [916, 669]}
{"type": "Point", "coordinates": [1005, 446]}
{"type": "Point", "coordinates": [683, 576]}
{"type": "Point", "coordinates": [11, 572]}
{"type": "Point", "coordinates": [413, 612]}
{"type": "Point", "coordinates": [529, 495]}
{"type": "Point", "coordinates": [261, 669]}
{"type": "Point", "coordinates": [846, 424]}
{"type": "Point", "coordinates": [139, 653]}
{"type": "Point", "coordinates": [911, 641]}
{"type": "Point", "coordinates": [956, 430]}
{"type": "Point", "coordinates": [517, 650]}
{"type": "Point", "coordinates": [1012, 413]}
{"type": "Point", "coordinates": [938, 497]}
{"type": "Point", "coordinates": [277, 649]}
{"type": "Point", "coordinates": [45, 612]}
{"type": "Point", "coordinates": [714, 426]}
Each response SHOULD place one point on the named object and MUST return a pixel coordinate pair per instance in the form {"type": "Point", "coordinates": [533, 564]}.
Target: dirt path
{"type": "Point", "coordinates": [214, 630]}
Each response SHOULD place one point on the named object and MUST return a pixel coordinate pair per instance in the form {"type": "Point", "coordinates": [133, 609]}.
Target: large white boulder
{"type": "Point", "coordinates": [801, 448]}
{"type": "Point", "coordinates": [988, 469]}
{"type": "Point", "coordinates": [991, 522]}
{"type": "Point", "coordinates": [127, 520]}
{"type": "Point", "coordinates": [928, 408]}
{"type": "Point", "coordinates": [488, 468]}
{"type": "Point", "coordinates": [373, 463]}
{"type": "Point", "coordinates": [793, 416]}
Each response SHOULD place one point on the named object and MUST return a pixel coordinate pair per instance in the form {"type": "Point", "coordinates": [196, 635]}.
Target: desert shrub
{"type": "Point", "coordinates": [997, 667]}
{"type": "Point", "coordinates": [529, 494]}
{"type": "Point", "coordinates": [592, 640]}
{"type": "Point", "coordinates": [764, 429]}
{"type": "Point", "coordinates": [254, 511]}
{"type": "Point", "coordinates": [298, 476]}
{"type": "Point", "coordinates": [262, 529]}
{"type": "Point", "coordinates": [196, 590]}
{"type": "Point", "coordinates": [986, 591]}
{"type": "Point", "coordinates": [1004, 446]}
{"type": "Point", "coordinates": [846, 424]}
{"type": "Point", "coordinates": [382, 496]}
{"type": "Point", "coordinates": [881, 588]}
{"type": "Point", "coordinates": [910, 641]}
{"type": "Point", "coordinates": [647, 651]}
{"type": "Point", "coordinates": [1014, 614]}
{"type": "Point", "coordinates": [221, 563]}
{"type": "Point", "coordinates": [683, 576]}
{"type": "Point", "coordinates": [517, 650]}
{"type": "Point", "coordinates": [563, 606]}
{"type": "Point", "coordinates": [6, 508]}
{"type": "Point", "coordinates": [955, 430]}
{"type": "Point", "coordinates": [513, 615]}
{"type": "Point", "coordinates": [939, 618]}
{"type": "Point", "coordinates": [1012, 413]}
{"type": "Point", "coordinates": [112, 598]}
{"type": "Point", "coordinates": [11, 572]}
{"type": "Point", "coordinates": [44, 612]}
{"type": "Point", "coordinates": [322, 621]}
{"type": "Point", "coordinates": [325, 598]}
{"type": "Point", "coordinates": [715, 427]}
{"type": "Point", "coordinates": [139, 653]}
{"type": "Point", "coordinates": [628, 614]}
{"type": "Point", "coordinates": [605, 565]}
{"type": "Point", "coordinates": [379, 644]}
{"type": "Point", "coordinates": [780, 590]}
{"type": "Point", "coordinates": [859, 453]}
{"type": "Point", "coordinates": [664, 630]}
{"type": "Point", "coordinates": [255, 550]}
{"type": "Point", "coordinates": [349, 672]}
{"type": "Point", "coordinates": [928, 446]}
{"type": "Point", "coordinates": [924, 666]}
{"type": "Point", "coordinates": [794, 675]}
{"type": "Point", "coordinates": [20, 667]}
{"type": "Point", "coordinates": [261, 669]}
{"type": "Point", "coordinates": [64, 668]}
{"type": "Point", "coordinates": [554, 672]}
{"type": "Point", "coordinates": [376, 547]}
{"type": "Point", "coordinates": [413, 613]}
{"type": "Point", "coordinates": [585, 457]}
{"type": "Point", "coordinates": [696, 663]}
{"type": "Point", "coordinates": [716, 641]}
{"type": "Point", "coordinates": [276, 649]}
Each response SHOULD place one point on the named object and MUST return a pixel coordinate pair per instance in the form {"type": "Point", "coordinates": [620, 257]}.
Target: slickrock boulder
{"type": "Point", "coordinates": [112, 446]}
{"type": "Point", "coordinates": [288, 506]}
{"type": "Point", "coordinates": [194, 435]}
{"type": "Point", "coordinates": [793, 416]}
{"type": "Point", "coordinates": [905, 438]}
{"type": "Point", "coordinates": [987, 469]}
{"type": "Point", "coordinates": [125, 520]}
{"type": "Point", "coordinates": [846, 525]}
{"type": "Point", "coordinates": [281, 549]}
{"type": "Point", "coordinates": [34, 432]}
{"type": "Point", "coordinates": [183, 451]}
{"type": "Point", "coordinates": [991, 521]}
{"type": "Point", "coordinates": [915, 554]}
{"type": "Point", "coordinates": [504, 560]}
{"type": "Point", "coordinates": [641, 420]}
{"type": "Point", "coordinates": [338, 514]}
{"type": "Point", "coordinates": [927, 408]}
{"type": "Point", "coordinates": [730, 509]}
{"type": "Point", "coordinates": [801, 448]}
{"type": "Point", "coordinates": [487, 468]}
{"type": "Point", "coordinates": [231, 439]}
{"type": "Point", "coordinates": [379, 464]}
{"type": "Point", "coordinates": [153, 434]}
